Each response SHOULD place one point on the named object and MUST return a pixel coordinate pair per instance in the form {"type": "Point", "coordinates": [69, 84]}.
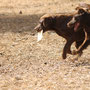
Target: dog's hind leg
{"type": "Point", "coordinates": [80, 48]}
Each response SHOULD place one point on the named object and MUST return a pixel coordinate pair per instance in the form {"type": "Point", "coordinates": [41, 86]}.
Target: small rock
{"type": "Point", "coordinates": [18, 78]}
{"type": "Point", "coordinates": [1, 53]}
{"type": "Point", "coordinates": [0, 65]}
{"type": "Point", "coordinates": [20, 12]}
{"type": "Point", "coordinates": [45, 63]}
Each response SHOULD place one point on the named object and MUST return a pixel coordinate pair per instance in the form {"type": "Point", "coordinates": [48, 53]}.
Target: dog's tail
{"type": "Point", "coordinates": [79, 49]}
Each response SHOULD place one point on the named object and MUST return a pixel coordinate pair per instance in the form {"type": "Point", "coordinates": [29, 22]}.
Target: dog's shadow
{"type": "Point", "coordinates": [18, 23]}
{"type": "Point", "coordinates": [83, 63]}
{"type": "Point", "coordinates": [77, 62]}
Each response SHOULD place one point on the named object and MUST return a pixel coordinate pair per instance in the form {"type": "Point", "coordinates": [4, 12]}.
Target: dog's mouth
{"type": "Point", "coordinates": [77, 24]}
{"type": "Point", "coordinates": [39, 31]}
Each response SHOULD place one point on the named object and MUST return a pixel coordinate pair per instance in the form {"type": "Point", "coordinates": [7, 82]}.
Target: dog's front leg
{"type": "Point", "coordinates": [67, 48]}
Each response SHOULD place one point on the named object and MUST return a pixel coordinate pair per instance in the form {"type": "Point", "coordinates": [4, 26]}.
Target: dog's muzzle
{"type": "Point", "coordinates": [40, 32]}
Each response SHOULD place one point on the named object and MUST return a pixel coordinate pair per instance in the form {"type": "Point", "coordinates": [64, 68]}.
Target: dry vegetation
{"type": "Point", "coordinates": [28, 65]}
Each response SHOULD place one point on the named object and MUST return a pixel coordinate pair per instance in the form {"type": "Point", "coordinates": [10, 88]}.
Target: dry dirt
{"type": "Point", "coordinates": [26, 64]}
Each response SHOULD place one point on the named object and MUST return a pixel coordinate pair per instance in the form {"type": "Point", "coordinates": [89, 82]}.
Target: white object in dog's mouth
{"type": "Point", "coordinates": [40, 35]}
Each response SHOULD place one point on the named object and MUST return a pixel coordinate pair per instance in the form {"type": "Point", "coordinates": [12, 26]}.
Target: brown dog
{"type": "Point", "coordinates": [81, 19]}
{"type": "Point", "coordinates": [58, 23]}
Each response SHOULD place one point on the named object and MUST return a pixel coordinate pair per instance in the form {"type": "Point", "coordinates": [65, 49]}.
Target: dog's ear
{"type": "Point", "coordinates": [47, 21]}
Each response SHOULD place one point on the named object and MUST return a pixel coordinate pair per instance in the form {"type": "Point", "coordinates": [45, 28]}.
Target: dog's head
{"type": "Point", "coordinates": [78, 19]}
{"type": "Point", "coordinates": [45, 23]}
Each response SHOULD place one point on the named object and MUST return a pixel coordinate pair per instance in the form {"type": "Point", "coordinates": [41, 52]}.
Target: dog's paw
{"type": "Point", "coordinates": [64, 56]}
{"type": "Point", "coordinates": [74, 52]}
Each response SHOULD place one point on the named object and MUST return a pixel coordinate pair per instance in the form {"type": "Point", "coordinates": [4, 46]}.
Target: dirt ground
{"type": "Point", "coordinates": [26, 64]}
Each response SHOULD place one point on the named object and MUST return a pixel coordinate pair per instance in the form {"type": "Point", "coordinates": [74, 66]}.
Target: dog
{"type": "Point", "coordinates": [81, 20]}
{"type": "Point", "coordinates": [58, 24]}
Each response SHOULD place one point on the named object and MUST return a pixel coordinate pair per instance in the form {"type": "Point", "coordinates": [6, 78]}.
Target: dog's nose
{"type": "Point", "coordinates": [38, 28]}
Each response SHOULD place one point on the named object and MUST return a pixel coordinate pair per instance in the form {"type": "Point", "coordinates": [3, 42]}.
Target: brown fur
{"type": "Point", "coordinates": [83, 18]}
{"type": "Point", "coordinates": [58, 23]}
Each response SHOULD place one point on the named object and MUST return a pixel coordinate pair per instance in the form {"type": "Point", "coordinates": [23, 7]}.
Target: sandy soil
{"type": "Point", "coordinates": [28, 65]}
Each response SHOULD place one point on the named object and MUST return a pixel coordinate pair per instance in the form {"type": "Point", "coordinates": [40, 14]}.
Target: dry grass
{"type": "Point", "coordinates": [38, 6]}
{"type": "Point", "coordinates": [28, 65]}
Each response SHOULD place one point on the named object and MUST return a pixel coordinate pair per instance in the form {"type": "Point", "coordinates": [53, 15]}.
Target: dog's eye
{"type": "Point", "coordinates": [77, 18]}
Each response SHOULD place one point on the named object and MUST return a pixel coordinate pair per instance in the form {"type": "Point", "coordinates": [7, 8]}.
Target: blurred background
{"type": "Point", "coordinates": [38, 6]}
{"type": "Point", "coordinates": [26, 64]}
